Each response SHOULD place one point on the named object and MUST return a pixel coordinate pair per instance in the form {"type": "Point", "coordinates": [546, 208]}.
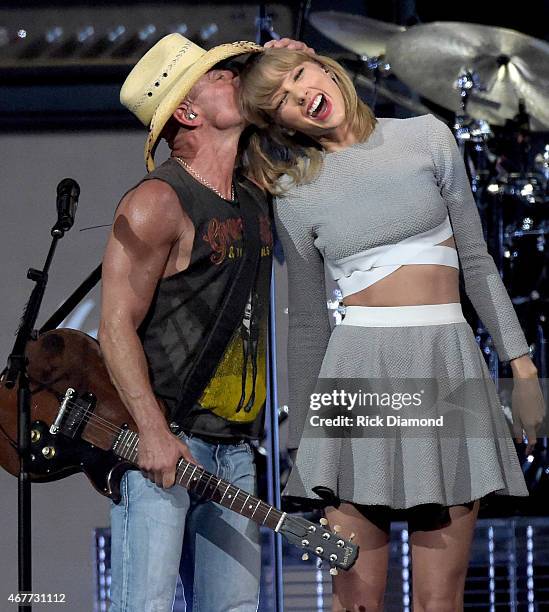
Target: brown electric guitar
{"type": "Point", "coordinates": [79, 424]}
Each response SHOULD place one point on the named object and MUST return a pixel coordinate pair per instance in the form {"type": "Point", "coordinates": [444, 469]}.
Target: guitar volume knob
{"type": "Point", "coordinates": [305, 542]}
{"type": "Point", "coordinates": [48, 452]}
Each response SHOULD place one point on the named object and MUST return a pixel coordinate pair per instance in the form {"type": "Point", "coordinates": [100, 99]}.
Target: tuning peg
{"type": "Point", "coordinates": [323, 521]}
{"type": "Point", "coordinates": [333, 571]}
{"type": "Point", "coordinates": [305, 557]}
{"type": "Point", "coordinates": [337, 528]}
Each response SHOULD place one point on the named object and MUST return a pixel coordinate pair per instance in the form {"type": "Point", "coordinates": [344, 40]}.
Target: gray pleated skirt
{"type": "Point", "coordinates": [400, 468]}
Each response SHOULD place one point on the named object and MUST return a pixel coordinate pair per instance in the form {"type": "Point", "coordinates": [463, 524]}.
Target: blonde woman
{"type": "Point", "coordinates": [385, 205]}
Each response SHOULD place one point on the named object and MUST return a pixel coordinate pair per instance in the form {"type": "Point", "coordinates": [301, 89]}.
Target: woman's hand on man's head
{"type": "Point", "coordinates": [289, 43]}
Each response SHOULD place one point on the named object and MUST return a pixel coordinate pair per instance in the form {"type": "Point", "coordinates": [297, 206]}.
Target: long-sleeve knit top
{"type": "Point", "coordinates": [402, 181]}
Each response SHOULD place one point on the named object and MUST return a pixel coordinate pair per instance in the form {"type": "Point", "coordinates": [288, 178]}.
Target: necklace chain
{"type": "Point", "coordinates": [203, 180]}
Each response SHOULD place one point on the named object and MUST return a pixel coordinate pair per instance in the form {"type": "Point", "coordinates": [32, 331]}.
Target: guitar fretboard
{"type": "Point", "coordinates": [206, 485]}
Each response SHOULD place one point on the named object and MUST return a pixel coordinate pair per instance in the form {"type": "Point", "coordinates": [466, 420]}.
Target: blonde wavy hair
{"type": "Point", "coordinates": [269, 151]}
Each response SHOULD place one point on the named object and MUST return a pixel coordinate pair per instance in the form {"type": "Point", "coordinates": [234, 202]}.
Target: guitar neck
{"type": "Point", "coordinates": [208, 486]}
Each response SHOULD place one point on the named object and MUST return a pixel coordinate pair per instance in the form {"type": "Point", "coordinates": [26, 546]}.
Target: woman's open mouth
{"type": "Point", "coordinates": [320, 107]}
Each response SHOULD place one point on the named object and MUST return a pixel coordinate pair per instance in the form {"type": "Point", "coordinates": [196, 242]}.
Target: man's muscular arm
{"type": "Point", "coordinates": [147, 224]}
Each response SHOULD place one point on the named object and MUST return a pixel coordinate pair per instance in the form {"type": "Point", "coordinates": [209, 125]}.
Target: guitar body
{"type": "Point", "coordinates": [60, 359]}
{"type": "Point", "coordinates": [79, 424]}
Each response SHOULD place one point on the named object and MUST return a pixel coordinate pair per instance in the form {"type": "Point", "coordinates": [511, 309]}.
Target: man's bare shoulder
{"type": "Point", "coordinates": [153, 212]}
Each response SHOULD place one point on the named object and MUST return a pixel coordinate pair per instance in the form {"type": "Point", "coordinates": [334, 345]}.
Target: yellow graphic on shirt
{"type": "Point", "coordinates": [238, 389]}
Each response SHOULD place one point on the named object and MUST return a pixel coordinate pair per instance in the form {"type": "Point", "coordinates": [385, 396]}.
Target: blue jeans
{"type": "Point", "coordinates": [159, 534]}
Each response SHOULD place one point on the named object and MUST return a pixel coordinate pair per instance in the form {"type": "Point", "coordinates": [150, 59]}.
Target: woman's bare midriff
{"type": "Point", "coordinates": [412, 285]}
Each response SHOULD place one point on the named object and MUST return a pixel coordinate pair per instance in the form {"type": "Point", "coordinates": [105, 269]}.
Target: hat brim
{"type": "Point", "coordinates": [178, 92]}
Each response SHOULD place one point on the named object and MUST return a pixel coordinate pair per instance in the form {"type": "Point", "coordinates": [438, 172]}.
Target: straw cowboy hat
{"type": "Point", "coordinates": [164, 76]}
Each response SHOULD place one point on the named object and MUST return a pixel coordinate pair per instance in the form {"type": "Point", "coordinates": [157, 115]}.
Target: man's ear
{"type": "Point", "coordinates": [186, 116]}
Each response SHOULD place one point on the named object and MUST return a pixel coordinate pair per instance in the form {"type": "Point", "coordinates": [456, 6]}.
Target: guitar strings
{"type": "Point", "coordinates": [105, 425]}
{"type": "Point", "coordinates": [239, 494]}
{"type": "Point", "coordinates": [109, 427]}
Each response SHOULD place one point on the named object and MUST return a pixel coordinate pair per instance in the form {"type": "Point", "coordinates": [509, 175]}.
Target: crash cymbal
{"type": "Point", "coordinates": [509, 66]}
{"type": "Point", "coordinates": [361, 35]}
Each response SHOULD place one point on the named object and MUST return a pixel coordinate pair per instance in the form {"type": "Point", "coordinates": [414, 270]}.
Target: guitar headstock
{"type": "Point", "coordinates": [328, 545]}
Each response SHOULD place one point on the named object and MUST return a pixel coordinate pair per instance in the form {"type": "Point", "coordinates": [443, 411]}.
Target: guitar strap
{"type": "Point", "coordinates": [231, 312]}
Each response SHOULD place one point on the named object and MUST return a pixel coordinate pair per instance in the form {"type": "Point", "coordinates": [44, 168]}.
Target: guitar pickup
{"type": "Point", "coordinates": [73, 413]}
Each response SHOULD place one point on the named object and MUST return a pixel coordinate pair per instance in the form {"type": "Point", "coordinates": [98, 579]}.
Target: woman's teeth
{"type": "Point", "coordinates": [315, 105]}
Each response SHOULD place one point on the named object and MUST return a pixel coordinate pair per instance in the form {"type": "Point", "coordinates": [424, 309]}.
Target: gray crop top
{"type": "Point", "coordinates": [405, 181]}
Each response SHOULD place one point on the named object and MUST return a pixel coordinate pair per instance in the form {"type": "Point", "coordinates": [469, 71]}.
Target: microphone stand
{"type": "Point", "coordinates": [17, 374]}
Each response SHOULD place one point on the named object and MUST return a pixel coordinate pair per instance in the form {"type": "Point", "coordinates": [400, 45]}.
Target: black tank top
{"type": "Point", "coordinates": [184, 308]}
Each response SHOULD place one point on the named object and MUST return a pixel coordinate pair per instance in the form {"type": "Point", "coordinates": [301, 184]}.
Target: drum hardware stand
{"type": "Point", "coordinates": [17, 373]}
{"type": "Point", "coordinates": [369, 66]}
{"type": "Point", "coordinates": [265, 28]}
{"type": "Point", "coordinates": [476, 131]}
{"type": "Point", "coordinates": [466, 128]}
{"type": "Point", "coordinates": [542, 162]}
{"type": "Point", "coordinates": [302, 16]}
{"type": "Point", "coordinates": [379, 67]}
{"type": "Point", "coordinates": [468, 80]}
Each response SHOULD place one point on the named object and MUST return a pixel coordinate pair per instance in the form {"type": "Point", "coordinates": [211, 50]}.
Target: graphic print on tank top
{"type": "Point", "coordinates": [185, 307]}
{"type": "Point", "coordinates": [237, 391]}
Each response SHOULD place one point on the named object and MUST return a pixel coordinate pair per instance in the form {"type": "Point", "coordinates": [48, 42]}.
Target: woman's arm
{"type": "Point", "coordinates": [483, 283]}
{"type": "Point", "coordinates": [309, 327]}
{"type": "Point", "coordinates": [484, 286]}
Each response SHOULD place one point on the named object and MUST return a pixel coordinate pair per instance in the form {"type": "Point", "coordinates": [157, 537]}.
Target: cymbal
{"type": "Point", "coordinates": [510, 66]}
{"type": "Point", "coordinates": [361, 35]}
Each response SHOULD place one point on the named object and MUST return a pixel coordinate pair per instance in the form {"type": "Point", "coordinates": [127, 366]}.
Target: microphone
{"type": "Point", "coordinates": [67, 201]}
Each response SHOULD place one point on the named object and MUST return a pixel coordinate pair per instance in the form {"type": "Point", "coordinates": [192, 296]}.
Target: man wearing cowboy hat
{"type": "Point", "coordinates": [175, 239]}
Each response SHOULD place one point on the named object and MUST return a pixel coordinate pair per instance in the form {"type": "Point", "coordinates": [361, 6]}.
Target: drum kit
{"type": "Point", "coordinates": [492, 84]}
